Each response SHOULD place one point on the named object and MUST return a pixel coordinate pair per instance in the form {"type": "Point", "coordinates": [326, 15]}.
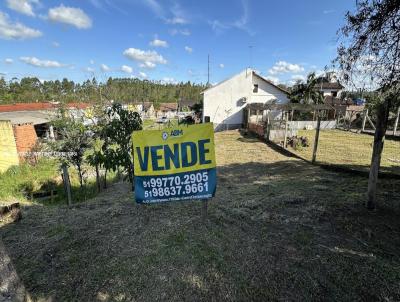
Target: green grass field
{"type": "Point", "coordinates": [151, 124]}
{"type": "Point", "coordinates": [350, 149]}
{"type": "Point", "coordinates": [18, 182]}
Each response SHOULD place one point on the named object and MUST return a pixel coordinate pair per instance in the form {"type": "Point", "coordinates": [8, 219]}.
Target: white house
{"type": "Point", "coordinates": [223, 103]}
{"type": "Point", "coordinates": [329, 85]}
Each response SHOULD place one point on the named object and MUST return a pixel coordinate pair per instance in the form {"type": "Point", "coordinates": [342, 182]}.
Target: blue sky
{"type": "Point", "coordinates": [167, 40]}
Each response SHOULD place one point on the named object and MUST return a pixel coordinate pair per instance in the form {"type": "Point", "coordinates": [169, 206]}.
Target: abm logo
{"type": "Point", "coordinates": [176, 132]}
{"type": "Point", "coordinates": [173, 133]}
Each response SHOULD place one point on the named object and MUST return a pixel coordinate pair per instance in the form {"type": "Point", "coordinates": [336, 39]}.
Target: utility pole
{"type": "Point", "coordinates": [208, 70]}
{"type": "Point", "coordinates": [251, 56]}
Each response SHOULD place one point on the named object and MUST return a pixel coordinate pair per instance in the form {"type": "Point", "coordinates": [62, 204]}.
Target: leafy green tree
{"type": "Point", "coordinates": [307, 92]}
{"type": "Point", "coordinates": [92, 91]}
{"type": "Point", "coordinates": [75, 140]}
{"type": "Point", "coordinates": [117, 133]}
{"type": "Point", "coordinates": [96, 159]}
{"type": "Point", "coordinates": [369, 53]}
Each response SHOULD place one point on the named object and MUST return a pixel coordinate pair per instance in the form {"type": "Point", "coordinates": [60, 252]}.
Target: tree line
{"type": "Point", "coordinates": [124, 90]}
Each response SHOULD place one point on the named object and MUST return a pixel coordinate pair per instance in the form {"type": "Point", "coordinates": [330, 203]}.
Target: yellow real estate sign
{"type": "Point", "coordinates": [174, 164]}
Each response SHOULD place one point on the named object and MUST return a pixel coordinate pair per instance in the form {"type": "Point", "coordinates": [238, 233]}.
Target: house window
{"type": "Point", "coordinates": [255, 89]}
{"type": "Point", "coordinates": [334, 93]}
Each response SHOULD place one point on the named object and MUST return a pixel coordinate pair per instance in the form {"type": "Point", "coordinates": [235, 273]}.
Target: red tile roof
{"type": "Point", "coordinates": [168, 106]}
{"type": "Point", "coordinates": [38, 106]}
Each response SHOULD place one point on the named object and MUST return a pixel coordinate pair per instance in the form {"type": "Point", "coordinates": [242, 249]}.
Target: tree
{"type": "Point", "coordinates": [118, 89]}
{"type": "Point", "coordinates": [75, 140]}
{"type": "Point", "coordinates": [96, 159]}
{"type": "Point", "coordinates": [307, 93]}
{"type": "Point", "coordinates": [117, 133]}
{"type": "Point", "coordinates": [369, 53]}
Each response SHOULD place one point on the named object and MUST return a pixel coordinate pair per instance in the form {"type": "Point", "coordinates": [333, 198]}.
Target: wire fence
{"type": "Point", "coordinates": [324, 137]}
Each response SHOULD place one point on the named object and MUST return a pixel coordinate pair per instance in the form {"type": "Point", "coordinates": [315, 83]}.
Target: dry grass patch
{"type": "Point", "coordinates": [350, 149]}
{"type": "Point", "coordinates": [278, 229]}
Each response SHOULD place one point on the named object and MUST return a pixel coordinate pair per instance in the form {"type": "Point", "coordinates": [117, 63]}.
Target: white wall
{"type": "Point", "coordinates": [311, 124]}
{"type": "Point", "coordinates": [223, 103]}
{"type": "Point", "coordinates": [266, 92]}
{"type": "Point", "coordinates": [329, 92]}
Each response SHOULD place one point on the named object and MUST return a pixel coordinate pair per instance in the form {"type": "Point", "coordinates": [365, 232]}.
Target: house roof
{"type": "Point", "coordinates": [39, 106]}
{"type": "Point", "coordinates": [186, 102]}
{"type": "Point", "coordinates": [168, 106]}
{"type": "Point", "coordinates": [254, 73]}
{"type": "Point", "coordinates": [330, 100]}
{"type": "Point", "coordinates": [147, 105]}
{"type": "Point", "coordinates": [28, 117]}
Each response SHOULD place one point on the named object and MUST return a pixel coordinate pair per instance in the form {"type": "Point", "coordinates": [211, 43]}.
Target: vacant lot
{"type": "Point", "coordinates": [278, 229]}
{"type": "Point", "coordinates": [350, 149]}
{"type": "Point", "coordinates": [151, 124]}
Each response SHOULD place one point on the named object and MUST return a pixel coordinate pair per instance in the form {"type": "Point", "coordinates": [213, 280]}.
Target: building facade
{"type": "Point", "coordinates": [223, 103]}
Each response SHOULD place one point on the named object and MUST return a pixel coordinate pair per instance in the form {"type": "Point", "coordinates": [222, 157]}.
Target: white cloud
{"type": "Point", "coordinates": [148, 65]}
{"type": "Point", "coordinates": [298, 77]}
{"type": "Point", "coordinates": [168, 80]}
{"type": "Point", "coordinates": [285, 67]}
{"type": "Point", "coordinates": [188, 49]}
{"type": "Point", "coordinates": [179, 15]}
{"type": "Point", "coordinates": [22, 6]}
{"type": "Point", "coordinates": [183, 32]}
{"type": "Point", "coordinates": [328, 11]}
{"type": "Point", "coordinates": [104, 67]}
{"type": "Point", "coordinates": [221, 65]}
{"type": "Point", "coordinates": [159, 43]}
{"type": "Point", "coordinates": [9, 30]}
{"type": "Point", "coordinates": [218, 27]}
{"type": "Point", "coordinates": [169, 14]}
{"type": "Point", "coordinates": [8, 61]}
{"type": "Point", "coordinates": [71, 16]}
{"type": "Point", "coordinates": [91, 62]}
{"type": "Point", "coordinates": [55, 44]}
{"type": "Point", "coordinates": [155, 7]}
{"type": "Point", "coordinates": [241, 23]}
{"type": "Point", "coordinates": [90, 69]}
{"type": "Point", "coordinates": [274, 80]}
{"type": "Point", "coordinates": [142, 75]}
{"type": "Point", "coordinates": [177, 20]}
{"type": "Point", "coordinates": [41, 63]}
{"type": "Point", "coordinates": [126, 69]}
{"type": "Point", "coordinates": [143, 56]}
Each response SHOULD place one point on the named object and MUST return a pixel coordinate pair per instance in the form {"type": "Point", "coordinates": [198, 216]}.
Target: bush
{"type": "Point", "coordinates": [21, 180]}
{"type": "Point", "coordinates": [297, 143]}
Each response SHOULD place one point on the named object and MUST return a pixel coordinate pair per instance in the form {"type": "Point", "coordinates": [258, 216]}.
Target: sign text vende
{"type": "Point", "coordinates": [174, 164]}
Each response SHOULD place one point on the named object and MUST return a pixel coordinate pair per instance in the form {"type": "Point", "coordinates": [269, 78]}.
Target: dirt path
{"type": "Point", "coordinates": [278, 229]}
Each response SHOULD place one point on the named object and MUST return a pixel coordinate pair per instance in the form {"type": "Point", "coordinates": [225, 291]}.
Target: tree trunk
{"type": "Point", "coordinates": [105, 179]}
{"type": "Point", "coordinates": [80, 175]}
{"type": "Point", "coordinates": [132, 176]}
{"type": "Point", "coordinates": [67, 185]}
{"type": "Point", "coordinates": [98, 178]}
{"type": "Point", "coordinates": [315, 149]}
{"type": "Point", "coordinates": [379, 137]}
{"type": "Point", "coordinates": [396, 123]}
